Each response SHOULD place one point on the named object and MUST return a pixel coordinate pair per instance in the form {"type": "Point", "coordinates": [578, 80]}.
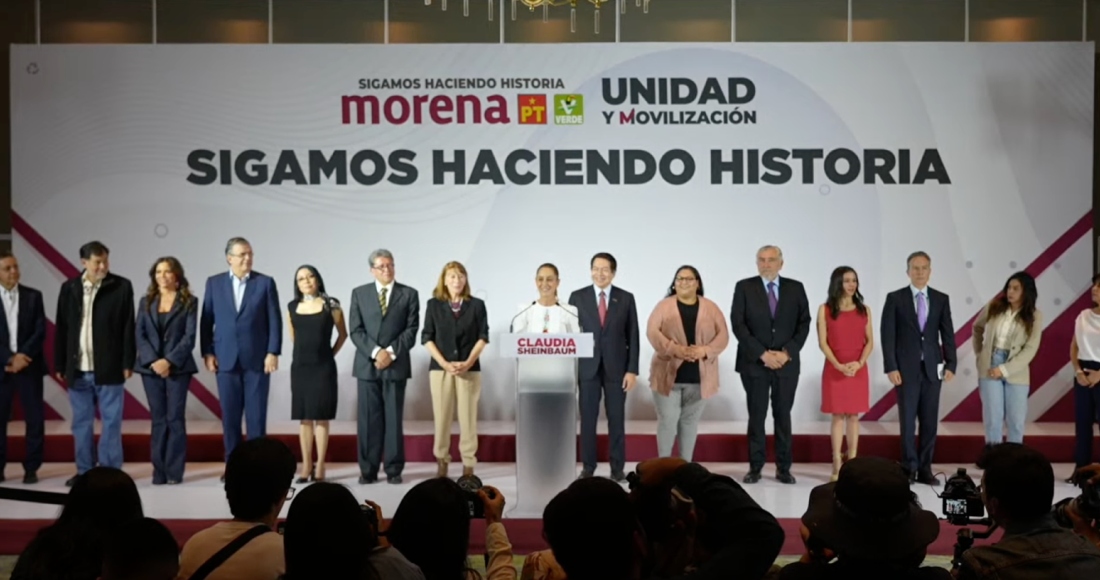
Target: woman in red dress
{"type": "Point", "coordinates": [845, 335]}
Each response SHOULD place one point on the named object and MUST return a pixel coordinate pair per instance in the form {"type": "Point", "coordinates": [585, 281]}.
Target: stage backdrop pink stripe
{"type": "Point", "coordinates": [132, 409]}
{"type": "Point", "coordinates": [963, 334]}
{"type": "Point", "coordinates": [1052, 356]}
{"type": "Point", "coordinates": [1060, 412]}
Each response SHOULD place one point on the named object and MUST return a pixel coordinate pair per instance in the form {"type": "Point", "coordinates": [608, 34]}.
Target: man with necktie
{"type": "Point", "coordinates": [610, 315]}
{"type": "Point", "coordinates": [918, 349]}
{"type": "Point", "coordinates": [771, 320]}
{"type": "Point", "coordinates": [383, 322]}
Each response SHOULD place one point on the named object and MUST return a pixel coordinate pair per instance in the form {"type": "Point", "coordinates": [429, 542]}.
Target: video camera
{"type": "Point", "coordinates": [962, 502]}
{"type": "Point", "coordinates": [963, 506]}
{"type": "Point", "coordinates": [1087, 505]}
{"type": "Point", "coordinates": [471, 485]}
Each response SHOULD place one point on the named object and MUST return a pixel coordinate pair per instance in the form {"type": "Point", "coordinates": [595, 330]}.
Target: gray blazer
{"type": "Point", "coordinates": [397, 329]}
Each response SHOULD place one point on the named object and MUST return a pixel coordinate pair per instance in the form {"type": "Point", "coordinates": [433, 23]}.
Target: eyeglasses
{"type": "Point", "coordinates": [382, 267]}
{"type": "Point", "coordinates": [682, 279]}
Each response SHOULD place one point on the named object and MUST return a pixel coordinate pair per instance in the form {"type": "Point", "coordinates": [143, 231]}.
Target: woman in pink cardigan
{"type": "Point", "coordinates": [687, 332]}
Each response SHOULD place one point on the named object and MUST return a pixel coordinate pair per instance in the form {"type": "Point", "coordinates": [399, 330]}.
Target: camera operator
{"type": "Point", "coordinates": [870, 522]}
{"type": "Point", "coordinates": [699, 525]}
{"type": "Point", "coordinates": [431, 528]}
{"type": "Point", "coordinates": [1017, 489]}
{"type": "Point", "coordinates": [1082, 513]}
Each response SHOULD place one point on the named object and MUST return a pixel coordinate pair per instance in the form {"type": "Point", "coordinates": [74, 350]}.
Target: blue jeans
{"type": "Point", "coordinates": [1003, 402]}
{"type": "Point", "coordinates": [83, 396]}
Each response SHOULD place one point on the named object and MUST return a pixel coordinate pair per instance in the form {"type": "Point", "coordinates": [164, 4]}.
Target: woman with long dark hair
{"type": "Point", "coordinates": [688, 333]}
{"type": "Point", "coordinates": [846, 337]}
{"type": "Point", "coordinates": [431, 528]}
{"type": "Point", "coordinates": [167, 320]}
{"type": "Point", "coordinates": [1006, 337]}
{"type": "Point", "coordinates": [102, 500]}
{"type": "Point", "coordinates": [312, 316]}
{"type": "Point", "coordinates": [329, 535]}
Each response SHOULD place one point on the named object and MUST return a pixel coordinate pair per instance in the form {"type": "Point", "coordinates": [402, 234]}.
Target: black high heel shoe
{"type": "Point", "coordinates": [305, 479]}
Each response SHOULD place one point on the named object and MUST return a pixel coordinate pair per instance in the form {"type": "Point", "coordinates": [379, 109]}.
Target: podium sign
{"type": "Point", "coordinates": [546, 414]}
{"type": "Point", "coordinates": [542, 345]}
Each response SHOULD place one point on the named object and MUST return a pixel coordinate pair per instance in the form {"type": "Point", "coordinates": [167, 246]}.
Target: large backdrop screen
{"type": "Point", "coordinates": [505, 157]}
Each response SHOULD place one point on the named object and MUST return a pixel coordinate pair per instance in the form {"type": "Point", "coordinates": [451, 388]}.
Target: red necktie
{"type": "Point", "coordinates": [603, 308]}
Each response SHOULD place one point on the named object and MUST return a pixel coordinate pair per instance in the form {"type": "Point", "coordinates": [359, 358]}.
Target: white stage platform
{"type": "Point", "coordinates": [201, 495]}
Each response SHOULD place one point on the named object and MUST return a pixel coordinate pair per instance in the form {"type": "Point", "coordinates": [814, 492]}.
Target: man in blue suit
{"type": "Point", "coordinates": [918, 340]}
{"type": "Point", "coordinates": [610, 315]}
{"type": "Point", "coordinates": [22, 336]}
{"type": "Point", "coordinates": [241, 336]}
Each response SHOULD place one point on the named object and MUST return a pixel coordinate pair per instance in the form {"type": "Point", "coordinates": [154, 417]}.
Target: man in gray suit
{"type": "Point", "coordinates": [384, 319]}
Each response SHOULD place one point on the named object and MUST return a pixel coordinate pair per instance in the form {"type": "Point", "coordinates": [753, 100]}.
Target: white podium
{"type": "Point", "coordinates": [546, 414]}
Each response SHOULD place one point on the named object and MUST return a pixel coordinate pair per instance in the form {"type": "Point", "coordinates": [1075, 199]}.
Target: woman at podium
{"type": "Point", "coordinates": [687, 332]}
{"type": "Point", "coordinates": [546, 314]}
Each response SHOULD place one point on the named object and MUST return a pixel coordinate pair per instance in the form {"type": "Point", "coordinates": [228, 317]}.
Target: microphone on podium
{"type": "Point", "coordinates": [512, 324]}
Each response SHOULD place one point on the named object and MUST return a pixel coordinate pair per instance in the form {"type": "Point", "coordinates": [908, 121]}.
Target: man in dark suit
{"type": "Point", "coordinates": [612, 318]}
{"type": "Point", "coordinates": [384, 320]}
{"type": "Point", "coordinates": [918, 340]}
{"type": "Point", "coordinates": [94, 353]}
{"type": "Point", "coordinates": [241, 338]}
{"type": "Point", "coordinates": [771, 319]}
{"type": "Point", "coordinates": [22, 335]}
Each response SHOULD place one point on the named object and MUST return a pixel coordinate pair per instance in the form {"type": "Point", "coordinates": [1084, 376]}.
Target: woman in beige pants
{"type": "Point", "coordinates": [456, 330]}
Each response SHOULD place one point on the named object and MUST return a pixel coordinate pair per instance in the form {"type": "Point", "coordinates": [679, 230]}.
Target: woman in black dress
{"type": "Point", "coordinates": [313, 388]}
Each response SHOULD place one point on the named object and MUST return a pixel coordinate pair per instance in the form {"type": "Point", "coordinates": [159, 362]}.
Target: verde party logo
{"type": "Point", "coordinates": [568, 109]}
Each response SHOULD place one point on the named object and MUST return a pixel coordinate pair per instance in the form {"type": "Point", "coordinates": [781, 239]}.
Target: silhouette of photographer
{"type": "Point", "coordinates": [867, 524]}
{"type": "Point", "coordinates": [1018, 490]}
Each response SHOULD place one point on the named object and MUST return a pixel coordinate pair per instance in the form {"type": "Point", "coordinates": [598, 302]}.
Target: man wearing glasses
{"type": "Point", "coordinates": [383, 321]}
{"type": "Point", "coordinates": [241, 336]}
{"type": "Point", "coordinates": [612, 318]}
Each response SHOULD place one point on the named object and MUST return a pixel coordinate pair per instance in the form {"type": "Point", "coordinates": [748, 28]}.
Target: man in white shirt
{"type": "Point", "coordinates": [241, 337]}
{"type": "Point", "coordinates": [22, 334]}
{"type": "Point", "coordinates": [383, 321]}
{"type": "Point", "coordinates": [94, 352]}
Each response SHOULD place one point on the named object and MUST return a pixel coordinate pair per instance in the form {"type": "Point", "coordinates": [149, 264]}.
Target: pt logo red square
{"type": "Point", "coordinates": [532, 109]}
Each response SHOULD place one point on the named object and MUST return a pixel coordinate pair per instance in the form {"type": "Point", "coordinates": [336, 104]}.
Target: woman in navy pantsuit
{"type": "Point", "coordinates": [166, 324]}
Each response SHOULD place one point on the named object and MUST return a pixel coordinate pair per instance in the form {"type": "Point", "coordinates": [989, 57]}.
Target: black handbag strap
{"type": "Point", "coordinates": [231, 548]}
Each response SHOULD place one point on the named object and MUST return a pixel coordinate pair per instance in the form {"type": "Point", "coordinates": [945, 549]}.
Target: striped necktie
{"type": "Point", "coordinates": [382, 300]}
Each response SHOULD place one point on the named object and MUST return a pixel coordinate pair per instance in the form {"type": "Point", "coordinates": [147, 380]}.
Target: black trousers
{"type": "Point", "coordinates": [779, 390]}
{"type": "Point", "coordinates": [611, 390]}
{"type": "Point", "coordinates": [1086, 411]}
{"type": "Point", "coordinates": [381, 433]}
{"type": "Point", "coordinates": [29, 387]}
{"type": "Point", "coordinates": [918, 400]}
